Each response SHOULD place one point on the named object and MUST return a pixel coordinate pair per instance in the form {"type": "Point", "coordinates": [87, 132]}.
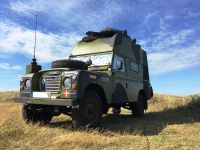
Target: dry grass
{"type": "Point", "coordinates": [171, 122]}
{"type": "Point", "coordinates": [8, 96]}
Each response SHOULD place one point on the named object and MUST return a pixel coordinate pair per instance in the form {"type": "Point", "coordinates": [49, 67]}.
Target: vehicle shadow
{"type": "Point", "coordinates": [151, 124]}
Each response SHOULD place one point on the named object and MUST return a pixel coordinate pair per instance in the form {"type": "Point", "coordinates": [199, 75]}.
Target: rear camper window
{"type": "Point", "coordinates": [134, 67]}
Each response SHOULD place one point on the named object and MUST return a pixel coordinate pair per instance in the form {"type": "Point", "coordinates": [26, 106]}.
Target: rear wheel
{"type": "Point", "coordinates": [138, 107]}
{"type": "Point", "coordinates": [89, 111]}
{"type": "Point", "coordinates": [31, 115]}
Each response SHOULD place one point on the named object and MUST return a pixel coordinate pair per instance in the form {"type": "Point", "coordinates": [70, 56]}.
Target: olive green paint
{"type": "Point", "coordinates": [118, 87]}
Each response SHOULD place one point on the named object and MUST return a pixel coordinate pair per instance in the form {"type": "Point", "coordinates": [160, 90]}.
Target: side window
{"type": "Point", "coordinates": [116, 59]}
{"type": "Point", "coordinates": [134, 67]}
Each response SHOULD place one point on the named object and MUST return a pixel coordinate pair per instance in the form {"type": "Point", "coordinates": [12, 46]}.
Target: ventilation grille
{"type": "Point", "coordinates": [52, 81]}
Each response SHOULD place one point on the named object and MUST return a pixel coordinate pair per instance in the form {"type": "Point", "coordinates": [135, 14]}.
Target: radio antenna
{"type": "Point", "coordinates": [33, 67]}
{"type": "Point", "coordinates": [35, 35]}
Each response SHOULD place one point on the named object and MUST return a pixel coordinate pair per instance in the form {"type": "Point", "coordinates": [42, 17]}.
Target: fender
{"type": "Point", "coordinates": [84, 79]}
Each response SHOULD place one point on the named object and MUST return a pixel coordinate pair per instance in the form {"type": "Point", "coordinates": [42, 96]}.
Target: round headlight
{"type": "Point", "coordinates": [67, 83]}
{"type": "Point", "coordinates": [27, 83]}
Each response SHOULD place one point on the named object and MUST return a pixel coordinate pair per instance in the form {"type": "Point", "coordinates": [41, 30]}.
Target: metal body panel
{"type": "Point", "coordinates": [117, 87]}
{"type": "Point", "coordinates": [120, 89]}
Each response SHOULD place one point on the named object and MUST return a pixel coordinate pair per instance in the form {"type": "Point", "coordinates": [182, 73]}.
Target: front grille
{"type": "Point", "coordinates": [52, 81]}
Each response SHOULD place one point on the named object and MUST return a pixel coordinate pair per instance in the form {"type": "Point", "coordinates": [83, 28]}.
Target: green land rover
{"type": "Point", "coordinates": [106, 69]}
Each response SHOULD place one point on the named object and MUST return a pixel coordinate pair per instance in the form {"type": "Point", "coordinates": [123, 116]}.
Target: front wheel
{"type": "Point", "coordinates": [30, 114]}
{"type": "Point", "coordinates": [89, 111]}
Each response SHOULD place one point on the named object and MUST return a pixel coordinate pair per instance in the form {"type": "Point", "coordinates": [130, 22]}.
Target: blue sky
{"type": "Point", "coordinates": [168, 30]}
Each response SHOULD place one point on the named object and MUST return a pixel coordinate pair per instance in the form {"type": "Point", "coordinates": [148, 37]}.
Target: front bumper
{"type": "Point", "coordinates": [42, 101]}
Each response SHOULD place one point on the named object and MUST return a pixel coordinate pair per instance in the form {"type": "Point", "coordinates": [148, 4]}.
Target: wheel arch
{"type": "Point", "coordinates": [100, 91]}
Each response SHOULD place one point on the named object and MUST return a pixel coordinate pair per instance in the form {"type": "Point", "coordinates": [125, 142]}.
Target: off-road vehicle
{"type": "Point", "coordinates": [106, 69]}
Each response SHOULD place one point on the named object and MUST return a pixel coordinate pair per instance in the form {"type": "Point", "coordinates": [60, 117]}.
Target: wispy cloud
{"type": "Point", "coordinates": [167, 44]}
{"type": "Point", "coordinates": [18, 39]}
{"type": "Point", "coordinates": [34, 6]}
{"type": "Point", "coordinates": [148, 17]}
{"type": "Point", "coordinates": [189, 13]}
{"type": "Point", "coordinates": [77, 14]}
{"type": "Point", "coordinates": [164, 39]}
{"type": "Point", "coordinates": [75, 17]}
{"type": "Point", "coordinates": [170, 50]}
{"type": "Point", "coordinates": [174, 59]}
{"type": "Point", "coordinates": [167, 39]}
{"type": "Point", "coordinates": [7, 66]}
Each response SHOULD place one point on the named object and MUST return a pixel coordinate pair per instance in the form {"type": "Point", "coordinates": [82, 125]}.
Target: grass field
{"type": "Point", "coordinates": [171, 122]}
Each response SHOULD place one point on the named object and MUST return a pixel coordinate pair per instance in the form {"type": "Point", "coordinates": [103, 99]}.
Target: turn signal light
{"type": "Point", "coordinates": [74, 86]}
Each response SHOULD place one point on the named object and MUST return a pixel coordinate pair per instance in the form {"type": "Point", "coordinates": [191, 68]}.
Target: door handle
{"type": "Point", "coordinates": [126, 85]}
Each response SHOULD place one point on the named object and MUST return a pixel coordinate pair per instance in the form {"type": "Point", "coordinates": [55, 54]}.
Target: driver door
{"type": "Point", "coordinates": [120, 89]}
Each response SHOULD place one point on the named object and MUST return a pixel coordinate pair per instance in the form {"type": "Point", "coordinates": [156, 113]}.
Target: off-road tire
{"type": "Point", "coordinates": [138, 107]}
{"type": "Point", "coordinates": [69, 63]}
{"type": "Point", "coordinates": [32, 117]}
{"type": "Point", "coordinates": [89, 112]}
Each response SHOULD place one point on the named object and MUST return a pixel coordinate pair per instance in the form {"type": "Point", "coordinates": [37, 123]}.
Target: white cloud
{"type": "Point", "coordinates": [166, 39]}
{"type": "Point", "coordinates": [81, 15]}
{"type": "Point", "coordinates": [33, 6]}
{"type": "Point", "coordinates": [169, 50]}
{"type": "Point", "coordinates": [76, 15]}
{"type": "Point", "coordinates": [189, 13]}
{"type": "Point", "coordinates": [17, 39]}
{"type": "Point", "coordinates": [166, 47]}
{"type": "Point", "coordinates": [148, 17]}
{"type": "Point", "coordinates": [174, 59]}
{"type": "Point", "coordinates": [163, 38]}
{"type": "Point", "coordinates": [7, 66]}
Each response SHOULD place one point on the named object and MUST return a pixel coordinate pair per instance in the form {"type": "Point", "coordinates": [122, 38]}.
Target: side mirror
{"type": "Point", "coordinates": [119, 64]}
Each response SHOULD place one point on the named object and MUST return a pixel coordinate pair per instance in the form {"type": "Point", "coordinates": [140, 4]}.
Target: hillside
{"type": "Point", "coordinates": [171, 122]}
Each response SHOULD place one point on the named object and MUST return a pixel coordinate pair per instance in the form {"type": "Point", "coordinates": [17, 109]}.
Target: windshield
{"type": "Point", "coordinates": [99, 59]}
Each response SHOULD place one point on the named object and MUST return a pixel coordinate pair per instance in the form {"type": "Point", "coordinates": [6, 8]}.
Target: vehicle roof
{"type": "Point", "coordinates": [109, 40]}
{"type": "Point", "coordinates": [95, 46]}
